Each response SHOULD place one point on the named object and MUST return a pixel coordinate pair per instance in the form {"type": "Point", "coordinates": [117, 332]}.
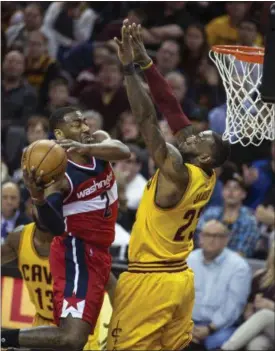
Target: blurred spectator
{"type": "Point", "coordinates": [100, 53]}
{"type": "Point", "coordinates": [37, 128]}
{"type": "Point", "coordinates": [71, 23]}
{"type": "Point", "coordinates": [57, 96]}
{"type": "Point", "coordinates": [11, 216]}
{"type": "Point", "coordinates": [168, 57]}
{"type": "Point", "coordinates": [195, 48]}
{"type": "Point", "coordinates": [259, 178]}
{"type": "Point", "coordinates": [18, 97]}
{"type": "Point", "coordinates": [17, 34]}
{"type": "Point", "coordinates": [41, 69]}
{"type": "Point", "coordinates": [178, 84]}
{"type": "Point", "coordinates": [217, 119]}
{"type": "Point", "coordinates": [257, 332]}
{"type": "Point", "coordinates": [265, 214]}
{"type": "Point", "coordinates": [247, 32]}
{"type": "Point", "coordinates": [222, 284]}
{"type": "Point", "coordinates": [94, 120]}
{"type": "Point", "coordinates": [223, 30]}
{"type": "Point", "coordinates": [128, 130]}
{"type": "Point", "coordinates": [135, 182]}
{"type": "Point", "coordinates": [239, 220]}
{"type": "Point", "coordinates": [19, 101]}
{"type": "Point", "coordinates": [108, 96]}
{"type": "Point", "coordinates": [168, 19]}
{"type": "Point", "coordinates": [4, 172]}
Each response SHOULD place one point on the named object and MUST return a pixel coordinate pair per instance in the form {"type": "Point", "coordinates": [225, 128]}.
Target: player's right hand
{"type": "Point", "coordinates": [34, 183]}
{"type": "Point", "coordinates": [140, 54]}
{"type": "Point", "coordinates": [125, 51]}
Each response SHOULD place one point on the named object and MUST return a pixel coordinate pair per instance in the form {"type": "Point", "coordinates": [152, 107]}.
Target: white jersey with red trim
{"type": "Point", "coordinates": [91, 207]}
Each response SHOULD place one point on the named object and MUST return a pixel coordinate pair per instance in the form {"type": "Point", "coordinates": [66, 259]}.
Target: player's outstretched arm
{"type": "Point", "coordinates": [161, 91]}
{"type": "Point", "coordinates": [9, 250]}
{"type": "Point", "coordinates": [167, 158]}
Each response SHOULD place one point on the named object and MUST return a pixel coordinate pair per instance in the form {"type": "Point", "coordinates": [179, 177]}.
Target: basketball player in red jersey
{"type": "Point", "coordinates": [81, 211]}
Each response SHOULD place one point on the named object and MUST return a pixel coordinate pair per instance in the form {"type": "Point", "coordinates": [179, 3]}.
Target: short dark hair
{"type": "Point", "coordinates": [58, 82]}
{"type": "Point", "coordinates": [35, 120]}
{"type": "Point", "coordinates": [57, 117]}
{"type": "Point", "coordinates": [221, 151]}
{"type": "Point", "coordinates": [135, 149]}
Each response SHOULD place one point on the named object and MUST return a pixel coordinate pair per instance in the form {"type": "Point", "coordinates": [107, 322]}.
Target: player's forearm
{"type": "Point", "coordinates": [165, 100]}
{"type": "Point", "coordinates": [144, 111]}
{"type": "Point", "coordinates": [50, 213]}
{"type": "Point", "coordinates": [109, 150]}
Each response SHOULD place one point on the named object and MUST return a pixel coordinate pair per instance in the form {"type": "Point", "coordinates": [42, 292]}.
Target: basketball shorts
{"type": "Point", "coordinates": [80, 273]}
{"type": "Point", "coordinates": [92, 343]}
{"type": "Point", "coordinates": [152, 311]}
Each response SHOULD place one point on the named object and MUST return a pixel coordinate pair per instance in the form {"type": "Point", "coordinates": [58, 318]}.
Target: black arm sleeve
{"type": "Point", "coordinates": [51, 214]}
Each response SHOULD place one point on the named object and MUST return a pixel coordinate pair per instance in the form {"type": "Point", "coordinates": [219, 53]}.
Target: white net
{"type": "Point", "coordinates": [249, 120]}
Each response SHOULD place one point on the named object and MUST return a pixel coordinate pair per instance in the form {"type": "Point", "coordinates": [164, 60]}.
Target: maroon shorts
{"type": "Point", "coordinates": [80, 273]}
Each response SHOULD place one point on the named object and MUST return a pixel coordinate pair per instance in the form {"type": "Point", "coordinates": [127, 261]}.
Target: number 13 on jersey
{"type": "Point", "coordinates": [182, 233]}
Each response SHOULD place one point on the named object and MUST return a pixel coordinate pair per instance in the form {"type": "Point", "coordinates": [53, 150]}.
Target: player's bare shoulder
{"type": "Point", "coordinates": [173, 179]}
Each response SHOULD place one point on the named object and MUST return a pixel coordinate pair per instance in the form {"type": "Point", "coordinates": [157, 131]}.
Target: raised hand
{"type": "Point", "coordinates": [140, 54]}
{"type": "Point", "coordinates": [125, 51]}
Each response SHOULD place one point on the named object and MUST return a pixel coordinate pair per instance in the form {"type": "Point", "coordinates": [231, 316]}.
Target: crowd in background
{"type": "Point", "coordinates": [56, 54]}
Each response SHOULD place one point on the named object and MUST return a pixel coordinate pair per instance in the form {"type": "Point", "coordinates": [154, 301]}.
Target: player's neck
{"type": "Point", "coordinates": [80, 159]}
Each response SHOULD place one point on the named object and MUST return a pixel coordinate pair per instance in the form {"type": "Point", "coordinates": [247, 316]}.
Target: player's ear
{"type": "Point", "coordinates": [205, 158]}
{"type": "Point", "coordinates": [59, 134]}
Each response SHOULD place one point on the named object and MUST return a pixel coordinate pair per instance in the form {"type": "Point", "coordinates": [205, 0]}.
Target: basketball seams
{"type": "Point", "coordinates": [60, 163]}
{"type": "Point", "coordinates": [46, 154]}
{"type": "Point", "coordinates": [29, 154]}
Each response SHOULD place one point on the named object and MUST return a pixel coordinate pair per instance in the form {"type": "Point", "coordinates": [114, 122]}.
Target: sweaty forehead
{"type": "Point", "coordinates": [73, 116]}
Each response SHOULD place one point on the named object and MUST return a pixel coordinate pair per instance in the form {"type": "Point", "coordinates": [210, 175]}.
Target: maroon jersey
{"type": "Point", "coordinates": [91, 207]}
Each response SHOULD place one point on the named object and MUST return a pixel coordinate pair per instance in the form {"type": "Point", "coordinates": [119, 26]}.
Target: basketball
{"type": "Point", "coordinates": [46, 156]}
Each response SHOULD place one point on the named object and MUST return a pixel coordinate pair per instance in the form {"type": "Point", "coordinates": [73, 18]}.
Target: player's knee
{"type": "Point", "coordinates": [74, 342]}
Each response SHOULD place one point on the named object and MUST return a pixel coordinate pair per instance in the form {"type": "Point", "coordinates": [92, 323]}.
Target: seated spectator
{"type": "Point", "coordinates": [222, 285]}
{"type": "Point", "coordinates": [128, 130]}
{"type": "Point", "coordinates": [265, 214]}
{"type": "Point", "coordinates": [169, 19]}
{"type": "Point", "coordinates": [57, 96]}
{"type": "Point", "coordinates": [11, 216]}
{"type": "Point", "coordinates": [108, 96]}
{"type": "Point", "coordinates": [94, 120]}
{"type": "Point", "coordinates": [257, 332]}
{"type": "Point", "coordinates": [240, 221]}
{"type": "Point", "coordinates": [259, 178]}
{"type": "Point", "coordinates": [70, 22]}
{"type": "Point", "coordinates": [135, 182]}
{"type": "Point", "coordinates": [4, 172]}
{"type": "Point", "coordinates": [37, 128]}
{"type": "Point", "coordinates": [18, 97]}
{"type": "Point", "coordinates": [198, 116]}
{"type": "Point", "coordinates": [223, 30]}
{"type": "Point", "coordinates": [247, 32]}
{"type": "Point", "coordinates": [168, 57]}
{"type": "Point", "coordinates": [41, 69]}
{"type": "Point", "coordinates": [19, 102]}
{"type": "Point", "coordinates": [194, 49]}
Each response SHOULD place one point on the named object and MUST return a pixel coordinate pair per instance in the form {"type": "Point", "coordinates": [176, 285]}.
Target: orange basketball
{"type": "Point", "coordinates": [46, 156]}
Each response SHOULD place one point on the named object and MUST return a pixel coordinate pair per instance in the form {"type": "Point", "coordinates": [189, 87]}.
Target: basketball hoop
{"type": "Point", "coordinates": [249, 120]}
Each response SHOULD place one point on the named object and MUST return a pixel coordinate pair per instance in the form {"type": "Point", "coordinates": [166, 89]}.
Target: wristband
{"type": "Point", "coordinates": [129, 69]}
{"type": "Point", "coordinates": [147, 66]}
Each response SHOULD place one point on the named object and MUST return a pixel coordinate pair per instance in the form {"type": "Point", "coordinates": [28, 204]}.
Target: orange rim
{"type": "Point", "coordinates": [242, 53]}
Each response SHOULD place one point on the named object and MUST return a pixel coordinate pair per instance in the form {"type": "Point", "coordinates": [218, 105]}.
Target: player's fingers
{"type": "Point", "coordinates": [125, 34]}
{"type": "Point", "coordinates": [49, 184]}
{"type": "Point", "coordinates": [126, 22]}
{"type": "Point", "coordinates": [118, 42]}
{"type": "Point", "coordinates": [139, 33]}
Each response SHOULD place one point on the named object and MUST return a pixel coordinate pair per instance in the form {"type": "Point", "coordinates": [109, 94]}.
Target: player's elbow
{"type": "Point", "coordinates": [123, 151]}
{"type": "Point", "coordinates": [73, 342]}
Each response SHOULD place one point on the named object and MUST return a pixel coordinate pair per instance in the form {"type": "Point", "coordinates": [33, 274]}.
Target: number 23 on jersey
{"type": "Point", "coordinates": [190, 216]}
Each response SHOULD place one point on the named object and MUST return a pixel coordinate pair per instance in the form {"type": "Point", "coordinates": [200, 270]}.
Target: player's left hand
{"type": "Point", "coordinates": [125, 51]}
{"type": "Point", "coordinates": [72, 145]}
{"type": "Point", "coordinates": [261, 302]}
{"type": "Point", "coordinates": [200, 332]}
